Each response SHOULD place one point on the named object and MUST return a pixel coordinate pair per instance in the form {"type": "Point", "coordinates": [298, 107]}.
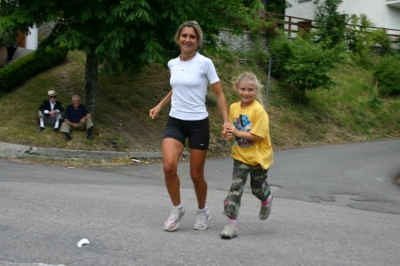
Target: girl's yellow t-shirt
{"type": "Point", "coordinates": [253, 119]}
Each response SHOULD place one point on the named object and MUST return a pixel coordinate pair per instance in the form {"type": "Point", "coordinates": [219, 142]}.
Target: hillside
{"type": "Point", "coordinates": [350, 112]}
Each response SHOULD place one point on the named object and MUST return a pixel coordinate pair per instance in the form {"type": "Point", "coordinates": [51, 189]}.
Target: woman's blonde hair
{"type": "Point", "coordinates": [249, 77]}
{"type": "Point", "coordinates": [190, 24]}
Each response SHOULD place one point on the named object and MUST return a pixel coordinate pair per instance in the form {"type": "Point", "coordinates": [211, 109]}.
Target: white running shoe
{"type": "Point", "coordinates": [229, 232]}
{"type": "Point", "coordinates": [201, 219]}
{"type": "Point", "coordinates": [172, 223]}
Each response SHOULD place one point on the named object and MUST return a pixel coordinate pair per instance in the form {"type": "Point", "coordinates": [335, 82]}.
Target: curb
{"type": "Point", "coordinates": [16, 151]}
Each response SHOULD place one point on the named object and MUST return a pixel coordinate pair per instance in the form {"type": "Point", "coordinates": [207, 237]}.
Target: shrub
{"type": "Point", "coordinates": [381, 38]}
{"type": "Point", "coordinates": [280, 50]}
{"type": "Point", "coordinates": [387, 75]}
{"type": "Point", "coordinates": [330, 24]}
{"type": "Point", "coordinates": [308, 68]}
{"type": "Point", "coordinates": [31, 65]}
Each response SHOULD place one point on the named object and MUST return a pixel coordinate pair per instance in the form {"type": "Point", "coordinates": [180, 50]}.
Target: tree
{"type": "Point", "coordinates": [277, 6]}
{"type": "Point", "coordinates": [331, 25]}
{"type": "Point", "coordinates": [122, 35]}
{"type": "Point", "coordinates": [308, 66]}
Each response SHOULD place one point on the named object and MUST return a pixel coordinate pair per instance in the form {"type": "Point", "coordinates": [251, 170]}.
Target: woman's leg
{"type": "Point", "coordinates": [197, 162]}
{"type": "Point", "coordinates": [172, 149]}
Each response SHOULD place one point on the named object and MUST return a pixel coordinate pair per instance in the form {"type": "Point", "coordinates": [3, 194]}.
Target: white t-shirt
{"type": "Point", "coordinates": [189, 81]}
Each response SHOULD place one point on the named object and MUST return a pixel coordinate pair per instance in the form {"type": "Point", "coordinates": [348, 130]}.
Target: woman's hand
{"type": "Point", "coordinates": [154, 112]}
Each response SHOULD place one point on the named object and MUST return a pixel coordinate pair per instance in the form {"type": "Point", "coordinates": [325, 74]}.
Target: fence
{"type": "Point", "coordinates": [293, 24]}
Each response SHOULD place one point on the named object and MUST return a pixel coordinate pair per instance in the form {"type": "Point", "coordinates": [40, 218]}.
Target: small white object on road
{"type": "Point", "coordinates": [84, 241]}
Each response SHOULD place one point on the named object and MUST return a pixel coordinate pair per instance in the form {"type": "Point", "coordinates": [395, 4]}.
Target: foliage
{"type": "Point", "coordinates": [280, 50]}
{"type": "Point", "coordinates": [123, 34]}
{"type": "Point", "coordinates": [331, 25]}
{"type": "Point", "coordinates": [381, 37]}
{"type": "Point", "coordinates": [30, 65]}
{"type": "Point", "coordinates": [359, 38]}
{"type": "Point", "coordinates": [308, 67]}
{"type": "Point", "coordinates": [259, 54]}
{"type": "Point", "coordinates": [277, 6]}
{"type": "Point", "coordinates": [387, 75]}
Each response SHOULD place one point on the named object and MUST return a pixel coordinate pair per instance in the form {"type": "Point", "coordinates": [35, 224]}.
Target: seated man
{"type": "Point", "coordinates": [76, 117]}
{"type": "Point", "coordinates": [50, 112]}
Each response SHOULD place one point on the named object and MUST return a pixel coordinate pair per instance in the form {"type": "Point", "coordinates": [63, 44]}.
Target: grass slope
{"type": "Point", "coordinates": [350, 112]}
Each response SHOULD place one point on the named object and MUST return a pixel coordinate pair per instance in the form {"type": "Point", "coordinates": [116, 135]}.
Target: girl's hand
{"type": "Point", "coordinates": [225, 135]}
{"type": "Point", "coordinates": [229, 128]}
{"type": "Point", "coordinates": [228, 131]}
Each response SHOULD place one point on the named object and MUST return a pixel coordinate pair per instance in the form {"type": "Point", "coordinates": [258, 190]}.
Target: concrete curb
{"type": "Point", "coordinates": [15, 151]}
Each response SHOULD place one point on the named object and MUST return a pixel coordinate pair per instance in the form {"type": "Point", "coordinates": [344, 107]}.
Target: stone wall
{"type": "Point", "coordinates": [235, 43]}
{"type": "Point", "coordinates": [46, 28]}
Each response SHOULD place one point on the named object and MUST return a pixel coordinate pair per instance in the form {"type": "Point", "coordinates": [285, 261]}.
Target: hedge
{"type": "Point", "coordinates": [30, 65]}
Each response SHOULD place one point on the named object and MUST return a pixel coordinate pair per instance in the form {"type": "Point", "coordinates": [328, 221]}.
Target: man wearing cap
{"type": "Point", "coordinates": [50, 112]}
{"type": "Point", "coordinates": [77, 117]}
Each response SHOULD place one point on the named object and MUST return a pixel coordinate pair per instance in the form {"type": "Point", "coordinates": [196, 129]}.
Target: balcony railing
{"type": "Point", "coordinates": [393, 3]}
{"type": "Point", "coordinates": [291, 24]}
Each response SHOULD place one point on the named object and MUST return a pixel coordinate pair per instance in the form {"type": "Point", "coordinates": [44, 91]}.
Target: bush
{"type": "Point", "coordinates": [387, 75]}
{"type": "Point", "coordinates": [31, 65]}
{"type": "Point", "coordinates": [280, 50]}
{"type": "Point", "coordinates": [308, 68]}
{"type": "Point", "coordinates": [382, 39]}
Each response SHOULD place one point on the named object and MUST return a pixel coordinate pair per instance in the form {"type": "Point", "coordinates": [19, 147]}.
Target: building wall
{"type": "Point", "coordinates": [31, 40]}
{"type": "Point", "coordinates": [377, 11]}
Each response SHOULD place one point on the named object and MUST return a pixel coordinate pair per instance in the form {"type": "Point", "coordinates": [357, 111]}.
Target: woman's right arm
{"type": "Point", "coordinates": [154, 111]}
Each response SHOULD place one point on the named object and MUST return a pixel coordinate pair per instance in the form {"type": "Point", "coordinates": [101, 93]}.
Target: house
{"type": "Point", "coordinates": [24, 44]}
{"type": "Point", "coordinates": [383, 13]}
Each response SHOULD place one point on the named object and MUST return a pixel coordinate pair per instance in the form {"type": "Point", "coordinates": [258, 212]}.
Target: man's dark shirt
{"type": "Point", "coordinates": [75, 115]}
{"type": "Point", "coordinates": [46, 106]}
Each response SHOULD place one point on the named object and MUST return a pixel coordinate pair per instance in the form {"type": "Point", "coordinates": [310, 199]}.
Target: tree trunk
{"type": "Point", "coordinates": [90, 96]}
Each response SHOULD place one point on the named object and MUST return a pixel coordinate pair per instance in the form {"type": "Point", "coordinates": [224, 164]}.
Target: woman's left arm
{"type": "Point", "coordinates": [222, 103]}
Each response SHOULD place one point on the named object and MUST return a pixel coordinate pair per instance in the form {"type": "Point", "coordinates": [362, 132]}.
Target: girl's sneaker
{"type": "Point", "coordinates": [266, 209]}
{"type": "Point", "coordinates": [172, 223]}
{"type": "Point", "coordinates": [202, 218]}
{"type": "Point", "coordinates": [229, 232]}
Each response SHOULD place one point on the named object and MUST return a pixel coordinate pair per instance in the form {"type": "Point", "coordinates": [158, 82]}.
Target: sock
{"type": "Point", "coordinates": [202, 210]}
{"type": "Point", "coordinates": [56, 125]}
{"type": "Point", "coordinates": [89, 132]}
{"type": "Point", "coordinates": [41, 123]}
{"type": "Point", "coordinates": [233, 222]}
{"type": "Point", "coordinates": [265, 202]}
{"type": "Point", "coordinates": [178, 207]}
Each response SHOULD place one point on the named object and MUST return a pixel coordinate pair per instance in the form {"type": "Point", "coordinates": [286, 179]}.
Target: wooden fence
{"type": "Point", "coordinates": [293, 24]}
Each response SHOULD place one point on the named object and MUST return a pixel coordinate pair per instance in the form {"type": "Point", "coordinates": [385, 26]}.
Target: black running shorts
{"type": "Point", "coordinates": [198, 132]}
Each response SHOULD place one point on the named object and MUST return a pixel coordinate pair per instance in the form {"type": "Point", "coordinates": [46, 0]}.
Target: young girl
{"type": "Point", "coordinates": [251, 152]}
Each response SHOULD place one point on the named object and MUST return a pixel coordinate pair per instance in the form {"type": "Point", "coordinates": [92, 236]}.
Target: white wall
{"type": "Point", "coordinates": [31, 40]}
{"type": "Point", "coordinates": [300, 9]}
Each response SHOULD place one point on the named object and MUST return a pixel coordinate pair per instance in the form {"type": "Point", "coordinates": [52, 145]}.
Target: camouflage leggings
{"type": "Point", "coordinates": [258, 183]}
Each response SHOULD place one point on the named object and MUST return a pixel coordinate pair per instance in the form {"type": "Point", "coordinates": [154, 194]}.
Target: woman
{"type": "Point", "coordinates": [191, 73]}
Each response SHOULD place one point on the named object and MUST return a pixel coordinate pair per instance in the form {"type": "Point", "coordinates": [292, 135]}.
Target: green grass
{"type": "Point", "coordinates": [349, 112]}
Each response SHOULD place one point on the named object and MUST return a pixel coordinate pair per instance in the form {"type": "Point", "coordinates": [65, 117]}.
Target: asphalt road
{"type": "Point", "coordinates": [333, 205]}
